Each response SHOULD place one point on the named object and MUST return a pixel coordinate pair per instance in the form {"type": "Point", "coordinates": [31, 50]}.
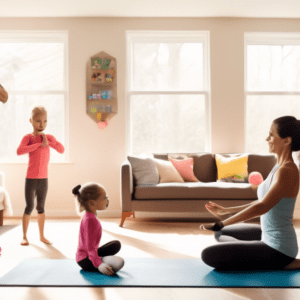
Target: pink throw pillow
{"type": "Point", "coordinates": [185, 169]}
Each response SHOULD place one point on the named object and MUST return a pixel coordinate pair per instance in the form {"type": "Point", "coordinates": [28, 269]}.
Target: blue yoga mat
{"type": "Point", "coordinates": [143, 272]}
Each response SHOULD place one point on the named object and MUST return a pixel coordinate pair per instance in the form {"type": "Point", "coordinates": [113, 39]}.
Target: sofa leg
{"type": "Point", "coordinates": [1, 217]}
{"type": "Point", "coordinates": [125, 214]}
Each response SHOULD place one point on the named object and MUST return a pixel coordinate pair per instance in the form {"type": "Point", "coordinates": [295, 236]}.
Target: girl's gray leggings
{"type": "Point", "coordinates": [241, 248]}
{"type": "Point", "coordinates": [38, 188]}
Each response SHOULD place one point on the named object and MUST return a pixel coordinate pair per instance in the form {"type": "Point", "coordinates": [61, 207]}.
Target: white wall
{"type": "Point", "coordinates": [107, 148]}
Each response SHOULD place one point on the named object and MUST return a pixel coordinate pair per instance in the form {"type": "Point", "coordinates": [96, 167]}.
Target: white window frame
{"type": "Point", "coordinates": [266, 38]}
{"type": "Point", "coordinates": [44, 36]}
{"type": "Point", "coordinates": [167, 37]}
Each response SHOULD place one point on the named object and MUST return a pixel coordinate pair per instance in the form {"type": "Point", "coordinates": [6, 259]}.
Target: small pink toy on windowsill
{"type": "Point", "coordinates": [102, 125]}
{"type": "Point", "coordinates": [255, 178]}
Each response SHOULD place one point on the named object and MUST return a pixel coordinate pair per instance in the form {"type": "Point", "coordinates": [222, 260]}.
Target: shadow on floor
{"type": "Point", "coordinates": [50, 253]}
{"type": "Point", "coordinates": [147, 247]}
{"type": "Point", "coordinates": [6, 228]}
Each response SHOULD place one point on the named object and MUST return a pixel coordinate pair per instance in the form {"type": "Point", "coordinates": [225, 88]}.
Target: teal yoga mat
{"type": "Point", "coordinates": [143, 272]}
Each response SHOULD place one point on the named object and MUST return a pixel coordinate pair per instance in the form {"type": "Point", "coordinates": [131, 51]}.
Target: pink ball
{"type": "Point", "coordinates": [102, 125]}
{"type": "Point", "coordinates": [255, 178]}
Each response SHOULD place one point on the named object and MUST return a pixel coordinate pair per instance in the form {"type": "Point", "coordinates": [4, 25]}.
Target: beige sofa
{"type": "Point", "coordinates": [191, 196]}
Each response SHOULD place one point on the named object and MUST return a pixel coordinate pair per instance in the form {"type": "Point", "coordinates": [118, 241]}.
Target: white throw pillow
{"type": "Point", "coordinates": [167, 171]}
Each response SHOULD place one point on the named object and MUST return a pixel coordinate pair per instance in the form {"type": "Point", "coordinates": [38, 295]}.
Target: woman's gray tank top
{"type": "Point", "coordinates": [277, 228]}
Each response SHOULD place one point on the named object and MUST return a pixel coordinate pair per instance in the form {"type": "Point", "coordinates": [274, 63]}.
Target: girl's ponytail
{"type": "Point", "coordinates": [80, 207]}
{"type": "Point", "coordinates": [89, 191]}
{"type": "Point", "coordinates": [76, 189]}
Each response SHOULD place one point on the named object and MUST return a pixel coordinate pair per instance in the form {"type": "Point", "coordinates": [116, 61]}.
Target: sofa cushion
{"type": "Point", "coordinates": [167, 172]}
{"type": "Point", "coordinates": [232, 169]}
{"type": "Point", "coordinates": [144, 170]}
{"type": "Point", "coordinates": [196, 190]}
{"type": "Point", "coordinates": [185, 169]}
{"type": "Point", "coordinates": [262, 163]}
{"type": "Point", "coordinates": [205, 168]}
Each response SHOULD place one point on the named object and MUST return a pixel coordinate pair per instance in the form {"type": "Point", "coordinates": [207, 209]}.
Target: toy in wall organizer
{"type": "Point", "coordinates": [101, 88]}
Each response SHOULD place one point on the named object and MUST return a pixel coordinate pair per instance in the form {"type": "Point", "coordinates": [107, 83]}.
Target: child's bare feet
{"type": "Point", "coordinates": [24, 242]}
{"type": "Point", "coordinates": [44, 240]}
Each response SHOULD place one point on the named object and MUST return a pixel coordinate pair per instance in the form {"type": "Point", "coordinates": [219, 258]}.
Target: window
{"type": "Point", "coordinates": [167, 92]}
{"type": "Point", "coordinates": [33, 70]}
{"type": "Point", "coordinates": [272, 84]}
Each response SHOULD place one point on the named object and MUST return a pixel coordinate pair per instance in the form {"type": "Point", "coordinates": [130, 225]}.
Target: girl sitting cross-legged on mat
{"type": "Point", "coordinates": [92, 197]}
{"type": "Point", "coordinates": [273, 244]}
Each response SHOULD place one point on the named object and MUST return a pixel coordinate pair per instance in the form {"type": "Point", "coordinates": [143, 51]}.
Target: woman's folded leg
{"type": "Point", "coordinates": [239, 232]}
{"type": "Point", "coordinates": [244, 255]}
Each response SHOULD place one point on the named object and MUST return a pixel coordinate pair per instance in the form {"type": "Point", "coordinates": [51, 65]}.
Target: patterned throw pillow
{"type": "Point", "coordinates": [232, 169]}
{"type": "Point", "coordinates": [185, 169]}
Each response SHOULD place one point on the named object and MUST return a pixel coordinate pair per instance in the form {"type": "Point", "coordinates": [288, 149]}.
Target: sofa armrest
{"type": "Point", "coordinates": [126, 186]}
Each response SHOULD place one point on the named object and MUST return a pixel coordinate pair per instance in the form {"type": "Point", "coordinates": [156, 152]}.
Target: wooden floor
{"type": "Point", "coordinates": [139, 238]}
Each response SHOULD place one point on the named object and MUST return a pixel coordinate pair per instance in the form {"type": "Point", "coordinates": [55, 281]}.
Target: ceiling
{"type": "Point", "coordinates": [151, 8]}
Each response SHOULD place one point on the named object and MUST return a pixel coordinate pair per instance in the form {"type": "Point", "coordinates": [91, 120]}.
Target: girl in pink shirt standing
{"type": "Point", "coordinates": [37, 144]}
{"type": "Point", "coordinates": [92, 197]}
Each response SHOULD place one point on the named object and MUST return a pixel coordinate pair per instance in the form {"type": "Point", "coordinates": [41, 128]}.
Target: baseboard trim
{"type": "Point", "coordinates": [54, 213]}
{"type": "Point", "coordinates": [114, 214]}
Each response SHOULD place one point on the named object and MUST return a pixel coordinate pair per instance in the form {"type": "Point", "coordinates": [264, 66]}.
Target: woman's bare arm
{"type": "Point", "coordinates": [236, 209]}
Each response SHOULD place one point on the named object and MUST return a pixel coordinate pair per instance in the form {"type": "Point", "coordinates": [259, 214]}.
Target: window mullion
{"type": "Point", "coordinates": [272, 93]}
{"type": "Point", "coordinates": [36, 92]}
{"type": "Point", "coordinates": [166, 93]}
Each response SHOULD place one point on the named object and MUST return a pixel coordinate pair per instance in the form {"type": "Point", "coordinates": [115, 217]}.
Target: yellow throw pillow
{"type": "Point", "coordinates": [233, 168]}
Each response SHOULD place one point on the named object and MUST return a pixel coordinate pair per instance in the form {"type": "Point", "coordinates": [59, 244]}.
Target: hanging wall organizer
{"type": "Point", "coordinates": [101, 88]}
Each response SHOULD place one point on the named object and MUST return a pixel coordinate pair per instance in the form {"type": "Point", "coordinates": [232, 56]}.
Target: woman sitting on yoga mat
{"type": "Point", "coordinates": [92, 197]}
{"type": "Point", "coordinates": [273, 244]}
